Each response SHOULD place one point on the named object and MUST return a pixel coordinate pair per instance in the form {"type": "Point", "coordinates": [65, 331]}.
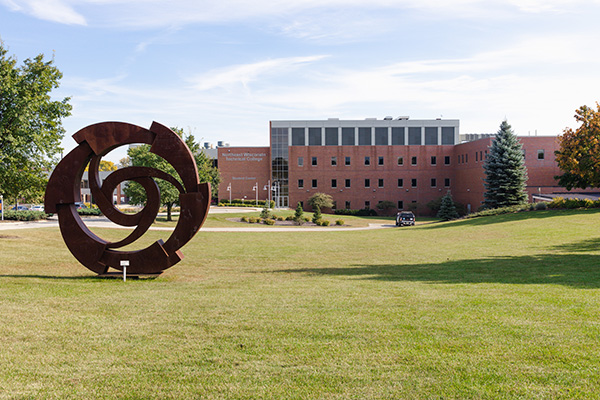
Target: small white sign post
{"type": "Point", "coordinates": [124, 265]}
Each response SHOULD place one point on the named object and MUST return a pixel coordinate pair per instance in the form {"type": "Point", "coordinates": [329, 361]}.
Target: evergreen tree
{"type": "Point", "coordinates": [447, 208]}
{"type": "Point", "coordinates": [299, 215]}
{"type": "Point", "coordinates": [505, 170]}
{"type": "Point", "coordinates": [317, 215]}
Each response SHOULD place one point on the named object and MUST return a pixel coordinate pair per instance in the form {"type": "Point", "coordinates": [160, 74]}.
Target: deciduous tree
{"type": "Point", "coordinates": [320, 200]}
{"type": "Point", "coordinates": [505, 170]}
{"type": "Point", "coordinates": [30, 124]}
{"type": "Point", "coordinates": [579, 153]}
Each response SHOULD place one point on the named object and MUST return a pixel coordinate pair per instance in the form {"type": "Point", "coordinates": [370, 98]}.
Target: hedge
{"type": "Point", "coordinates": [364, 212]}
{"type": "Point", "coordinates": [245, 203]}
{"type": "Point", "coordinates": [24, 215]}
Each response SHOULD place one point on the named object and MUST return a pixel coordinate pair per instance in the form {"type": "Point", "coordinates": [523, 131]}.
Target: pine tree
{"type": "Point", "coordinates": [299, 215]}
{"type": "Point", "coordinates": [447, 208]}
{"type": "Point", "coordinates": [317, 215]}
{"type": "Point", "coordinates": [505, 170]}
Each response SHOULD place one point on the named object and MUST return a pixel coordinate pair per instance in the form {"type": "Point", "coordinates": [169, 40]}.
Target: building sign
{"type": "Point", "coordinates": [246, 157]}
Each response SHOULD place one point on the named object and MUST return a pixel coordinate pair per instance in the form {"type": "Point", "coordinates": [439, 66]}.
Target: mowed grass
{"type": "Point", "coordinates": [490, 308]}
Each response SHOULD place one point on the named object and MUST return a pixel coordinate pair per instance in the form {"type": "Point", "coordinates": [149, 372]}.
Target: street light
{"type": "Point", "coordinates": [267, 187]}
{"type": "Point", "coordinates": [255, 189]}
{"type": "Point", "coordinates": [229, 190]}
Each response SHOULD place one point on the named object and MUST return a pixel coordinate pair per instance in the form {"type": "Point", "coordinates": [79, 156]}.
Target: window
{"type": "Point", "coordinates": [364, 136]}
{"type": "Point", "coordinates": [447, 135]}
{"type": "Point", "coordinates": [398, 136]}
{"type": "Point", "coordinates": [466, 158]}
{"type": "Point", "coordinates": [414, 136]}
{"type": "Point", "coordinates": [400, 182]}
{"type": "Point", "coordinates": [347, 136]}
{"type": "Point", "coordinates": [314, 136]}
{"type": "Point", "coordinates": [381, 136]}
{"type": "Point", "coordinates": [298, 137]}
{"type": "Point", "coordinates": [433, 182]}
{"type": "Point", "coordinates": [486, 155]}
{"type": "Point", "coordinates": [314, 183]}
{"type": "Point", "coordinates": [413, 182]}
{"type": "Point", "coordinates": [446, 160]}
{"type": "Point", "coordinates": [413, 160]}
{"type": "Point", "coordinates": [433, 160]}
{"type": "Point", "coordinates": [300, 183]}
{"type": "Point", "coordinates": [347, 160]}
{"type": "Point", "coordinates": [431, 135]}
{"type": "Point", "coordinates": [347, 183]}
{"type": "Point", "coordinates": [476, 156]}
{"type": "Point", "coordinates": [313, 161]}
{"type": "Point", "coordinates": [333, 161]}
{"type": "Point", "coordinates": [400, 204]}
{"type": "Point", "coordinates": [380, 160]}
{"type": "Point", "coordinates": [540, 154]}
{"type": "Point", "coordinates": [462, 158]}
{"type": "Point", "coordinates": [367, 183]}
{"type": "Point", "coordinates": [300, 161]}
{"type": "Point", "coordinates": [334, 183]}
{"type": "Point", "coordinates": [301, 204]}
{"type": "Point", "coordinates": [367, 160]}
{"type": "Point", "coordinates": [331, 136]}
{"type": "Point", "coordinates": [347, 205]}
{"type": "Point", "coordinates": [458, 156]}
{"type": "Point", "coordinates": [400, 160]}
{"type": "Point", "coordinates": [446, 182]}
{"type": "Point", "coordinates": [367, 204]}
{"type": "Point", "coordinates": [380, 182]}
{"type": "Point", "coordinates": [480, 155]}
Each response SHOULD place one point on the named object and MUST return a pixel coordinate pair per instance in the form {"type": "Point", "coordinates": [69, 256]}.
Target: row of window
{"type": "Point", "coordinates": [483, 155]}
{"type": "Point", "coordinates": [365, 136]}
{"type": "Point", "coordinates": [314, 161]}
{"type": "Point", "coordinates": [367, 183]}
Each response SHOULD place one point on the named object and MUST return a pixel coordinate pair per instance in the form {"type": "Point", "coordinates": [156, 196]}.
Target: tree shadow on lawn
{"type": "Point", "coordinates": [77, 277]}
{"type": "Point", "coordinates": [575, 270]}
{"type": "Point", "coordinates": [510, 217]}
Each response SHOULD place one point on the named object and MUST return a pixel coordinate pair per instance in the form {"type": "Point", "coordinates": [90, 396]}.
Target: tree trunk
{"type": "Point", "coordinates": [169, 206]}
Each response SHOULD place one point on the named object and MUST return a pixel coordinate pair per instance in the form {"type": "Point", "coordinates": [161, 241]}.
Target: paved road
{"type": "Point", "coordinates": [103, 222]}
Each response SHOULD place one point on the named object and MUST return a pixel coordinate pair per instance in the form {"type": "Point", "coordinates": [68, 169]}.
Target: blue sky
{"type": "Point", "coordinates": [223, 69]}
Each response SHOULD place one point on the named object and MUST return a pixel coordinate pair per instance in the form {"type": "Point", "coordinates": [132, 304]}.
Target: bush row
{"type": "Point", "coordinates": [364, 212]}
{"type": "Point", "coordinates": [560, 202]}
{"type": "Point", "coordinates": [245, 203]}
{"type": "Point", "coordinates": [89, 211]}
{"type": "Point", "coordinates": [24, 215]}
{"type": "Point", "coordinates": [271, 221]}
{"type": "Point", "coordinates": [556, 203]}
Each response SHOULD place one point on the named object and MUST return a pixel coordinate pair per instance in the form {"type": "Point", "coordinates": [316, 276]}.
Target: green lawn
{"type": "Point", "coordinates": [502, 307]}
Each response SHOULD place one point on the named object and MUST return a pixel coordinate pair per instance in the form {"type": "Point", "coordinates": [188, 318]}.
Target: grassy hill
{"type": "Point", "coordinates": [495, 307]}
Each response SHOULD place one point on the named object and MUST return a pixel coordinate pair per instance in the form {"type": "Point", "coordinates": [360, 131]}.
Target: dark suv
{"type": "Point", "coordinates": [404, 218]}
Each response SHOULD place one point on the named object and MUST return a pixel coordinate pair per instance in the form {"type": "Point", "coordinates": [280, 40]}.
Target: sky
{"type": "Point", "coordinates": [223, 69]}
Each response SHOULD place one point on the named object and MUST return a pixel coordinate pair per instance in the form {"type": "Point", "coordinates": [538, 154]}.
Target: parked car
{"type": "Point", "coordinates": [404, 218]}
{"type": "Point", "coordinates": [20, 208]}
{"type": "Point", "coordinates": [80, 205]}
{"type": "Point", "coordinates": [37, 208]}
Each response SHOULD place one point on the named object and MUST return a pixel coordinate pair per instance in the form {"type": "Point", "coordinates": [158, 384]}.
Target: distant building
{"type": "Point", "coordinates": [363, 162]}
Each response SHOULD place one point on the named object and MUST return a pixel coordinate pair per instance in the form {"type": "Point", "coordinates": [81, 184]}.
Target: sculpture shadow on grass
{"type": "Point", "coordinates": [574, 270]}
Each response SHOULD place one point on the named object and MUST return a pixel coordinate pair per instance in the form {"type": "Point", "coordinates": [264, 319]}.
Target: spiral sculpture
{"type": "Point", "coordinates": [64, 189]}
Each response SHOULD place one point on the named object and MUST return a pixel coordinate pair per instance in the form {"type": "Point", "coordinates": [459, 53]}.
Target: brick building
{"type": "Point", "coordinates": [363, 162]}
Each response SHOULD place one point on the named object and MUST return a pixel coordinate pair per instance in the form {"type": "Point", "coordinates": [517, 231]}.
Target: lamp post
{"type": "Point", "coordinates": [275, 189]}
{"type": "Point", "coordinates": [267, 187]}
{"type": "Point", "coordinates": [255, 189]}
{"type": "Point", "coordinates": [229, 190]}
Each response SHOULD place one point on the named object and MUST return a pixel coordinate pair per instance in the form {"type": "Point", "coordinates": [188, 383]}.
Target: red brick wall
{"type": "Point", "coordinates": [242, 167]}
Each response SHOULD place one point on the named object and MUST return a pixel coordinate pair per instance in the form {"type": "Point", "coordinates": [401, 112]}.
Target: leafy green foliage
{"type": "Point", "coordinates": [579, 153]}
{"type": "Point", "coordinates": [505, 170]}
{"type": "Point", "coordinates": [320, 200]}
{"type": "Point", "coordinates": [266, 213]}
{"type": "Point", "coordinates": [447, 208]}
{"type": "Point", "coordinates": [24, 215]}
{"type": "Point", "coordinates": [169, 195]}
{"type": "Point", "coordinates": [30, 125]}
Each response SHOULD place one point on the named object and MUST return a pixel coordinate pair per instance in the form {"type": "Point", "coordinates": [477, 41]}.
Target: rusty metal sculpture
{"type": "Point", "coordinates": [64, 188]}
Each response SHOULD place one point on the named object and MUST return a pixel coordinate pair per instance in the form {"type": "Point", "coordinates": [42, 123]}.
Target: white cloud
{"type": "Point", "coordinates": [49, 10]}
{"type": "Point", "coordinates": [243, 74]}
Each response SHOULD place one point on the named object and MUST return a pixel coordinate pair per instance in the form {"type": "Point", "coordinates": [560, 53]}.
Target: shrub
{"type": "Point", "coordinates": [317, 215]}
{"type": "Point", "coordinates": [269, 221]}
{"type": "Point", "coordinates": [245, 203]}
{"type": "Point", "coordinates": [299, 215]}
{"type": "Point", "coordinates": [324, 222]}
{"type": "Point", "coordinates": [24, 215]}
{"type": "Point", "coordinates": [320, 200]}
{"type": "Point", "coordinates": [339, 222]}
{"type": "Point", "coordinates": [89, 211]}
{"type": "Point", "coordinates": [365, 212]}
{"type": "Point", "coordinates": [254, 220]}
{"type": "Point", "coordinates": [266, 213]}
{"type": "Point", "coordinates": [244, 219]}
{"type": "Point", "coordinates": [289, 218]}
{"type": "Point", "coordinates": [280, 218]}
{"type": "Point", "coordinates": [541, 206]}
